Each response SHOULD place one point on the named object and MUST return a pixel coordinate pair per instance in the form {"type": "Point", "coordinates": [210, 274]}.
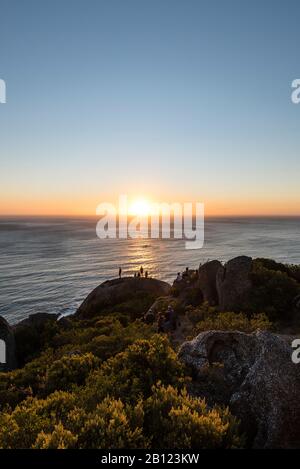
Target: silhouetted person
{"type": "Point", "coordinates": [178, 278]}
{"type": "Point", "coordinates": [171, 315]}
{"type": "Point", "coordinates": [138, 274]}
{"type": "Point", "coordinates": [141, 270]}
{"type": "Point", "coordinates": [146, 274]}
{"type": "Point", "coordinates": [120, 272]}
{"type": "Point", "coordinates": [186, 273]}
{"type": "Point", "coordinates": [160, 323]}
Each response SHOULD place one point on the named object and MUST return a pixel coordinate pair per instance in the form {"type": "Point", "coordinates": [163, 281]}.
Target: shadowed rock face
{"type": "Point", "coordinates": [29, 335]}
{"type": "Point", "coordinates": [37, 320]}
{"type": "Point", "coordinates": [256, 378]}
{"type": "Point", "coordinates": [207, 281]}
{"type": "Point", "coordinates": [233, 283]}
{"type": "Point", "coordinates": [8, 348]}
{"type": "Point", "coordinates": [114, 292]}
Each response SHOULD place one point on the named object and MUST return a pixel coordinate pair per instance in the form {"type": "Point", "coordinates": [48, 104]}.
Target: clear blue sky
{"type": "Point", "coordinates": [168, 99]}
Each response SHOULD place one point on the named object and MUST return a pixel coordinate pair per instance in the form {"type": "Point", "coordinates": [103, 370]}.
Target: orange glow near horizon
{"type": "Point", "coordinates": [141, 206]}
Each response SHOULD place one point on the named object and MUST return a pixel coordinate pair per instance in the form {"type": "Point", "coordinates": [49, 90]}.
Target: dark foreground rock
{"type": "Point", "coordinates": [207, 281]}
{"type": "Point", "coordinates": [36, 320]}
{"type": "Point", "coordinates": [255, 376]}
{"type": "Point", "coordinates": [31, 334]}
{"type": "Point", "coordinates": [7, 347]}
{"type": "Point", "coordinates": [117, 292]}
{"type": "Point", "coordinates": [233, 283]}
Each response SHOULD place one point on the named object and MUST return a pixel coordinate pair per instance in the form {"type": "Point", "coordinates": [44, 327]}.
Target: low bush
{"type": "Point", "coordinates": [273, 291]}
{"type": "Point", "coordinates": [234, 322]}
{"type": "Point", "coordinates": [136, 399]}
{"type": "Point", "coordinates": [131, 374]}
{"type": "Point", "coordinates": [173, 419]}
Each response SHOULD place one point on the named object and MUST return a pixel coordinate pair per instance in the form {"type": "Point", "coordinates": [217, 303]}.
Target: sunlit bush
{"type": "Point", "coordinates": [131, 374]}
{"type": "Point", "coordinates": [69, 370]}
{"type": "Point", "coordinates": [234, 322]}
{"type": "Point", "coordinates": [19, 428]}
{"type": "Point", "coordinates": [113, 425]}
{"type": "Point", "coordinates": [59, 438]}
{"type": "Point", "coordinates": [173, 419]}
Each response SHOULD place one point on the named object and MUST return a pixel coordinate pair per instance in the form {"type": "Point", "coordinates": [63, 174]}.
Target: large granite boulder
{"type": "Point", "coordinates": [207, 275]}
{"type": "Point", "coordinates": [7, 347]}
{"type": "Point", "coordinates": [31, 333]}
{"type": "Point", "coordinates": [36, 320]}
{"type": "Point", "coordinates": [255, 376]}
{"type": "Point", "coordinates": [233, 283]}
{"type": "Point", "coordinates": [139, 292]}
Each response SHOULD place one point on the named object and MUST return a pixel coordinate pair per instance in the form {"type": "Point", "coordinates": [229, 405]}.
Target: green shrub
{"type": "Point", "coordinates": [273, 292]}
{"type": "Point", "coordinates": [173, 419]}
{"type": "Point", "coordinates": [132, 401]}
{"type": "Point", "coordinates": [19, 428]}
{"type": "Point", "coordinates": [103, 338]}
{"type": "Point", "coordinates": [200, 313]}
{"type": "Point", "coordinates": [131, 374]}
{"type": "Point", "coordinates": [59, 438]}
{"type": "Point", "coordinates": [69, 370]}
{"type": "Point", "coordinates": [113, 425]}
{"type": "Point", "coordinates": [234, 322]}
{"type": "Point", "coordinates": [16, 385]}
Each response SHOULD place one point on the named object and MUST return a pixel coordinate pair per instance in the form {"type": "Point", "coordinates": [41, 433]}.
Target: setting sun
{"type": "Point", "coordinates": [140, 207]}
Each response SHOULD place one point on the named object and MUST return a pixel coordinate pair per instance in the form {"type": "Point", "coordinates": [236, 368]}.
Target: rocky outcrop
{"type": "Point", "coordinates": [255, 376]}
{"type": "Point", "coordinates": [36, 320]}
{"type": "Point", "coordinates": [233, 283]}
{"type": "Point", "coordinates": [7, 347]}
{"type": "Point", "coordinates": [207, 274]}
{"type": "Point", "coordinates": [115, 292]}
{"type": "Point", "coordinates": [30, 335]}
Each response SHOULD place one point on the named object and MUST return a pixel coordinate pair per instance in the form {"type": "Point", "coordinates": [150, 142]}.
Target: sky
{"type": "Point", "coordinates": [169, 100]}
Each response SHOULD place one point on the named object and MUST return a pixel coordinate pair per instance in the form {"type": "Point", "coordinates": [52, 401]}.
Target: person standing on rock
{"type": "Point", "coordinates": [120, 272]}
{"type": "Point", "coordinates": [141, 270]}
{"type": "Point", "coordinates": [178, 278]}
{"type": "Point", "coordinates": [172, 317]}
{"type": "Point", "coordinates": [186, 273]}
{"type": "Point", "coordinates": [160, 323]}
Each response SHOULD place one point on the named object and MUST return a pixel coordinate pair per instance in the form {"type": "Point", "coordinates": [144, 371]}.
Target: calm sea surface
{"type": "Point", "coordinates": [51, 264]}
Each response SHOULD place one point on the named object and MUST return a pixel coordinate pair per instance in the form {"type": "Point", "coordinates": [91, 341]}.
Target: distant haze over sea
{"type": "Point", "coordinates": [51, 264]}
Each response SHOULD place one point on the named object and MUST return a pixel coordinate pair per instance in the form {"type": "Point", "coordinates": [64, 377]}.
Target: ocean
{"type": "Point", "coordinates": [50, 264]}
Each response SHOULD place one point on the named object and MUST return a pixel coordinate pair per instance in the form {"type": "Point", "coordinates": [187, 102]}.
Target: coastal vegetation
{"type": "Point", "coordinates": [105, 377]}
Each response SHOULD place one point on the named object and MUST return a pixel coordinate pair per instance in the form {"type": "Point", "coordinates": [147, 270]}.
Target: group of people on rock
{"type": "Point", "coordinates": [140, 273]}
{"type": "Point", "coordinates": [182, 276]}
{"type": "Point", "coordinates": [166, 322]}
